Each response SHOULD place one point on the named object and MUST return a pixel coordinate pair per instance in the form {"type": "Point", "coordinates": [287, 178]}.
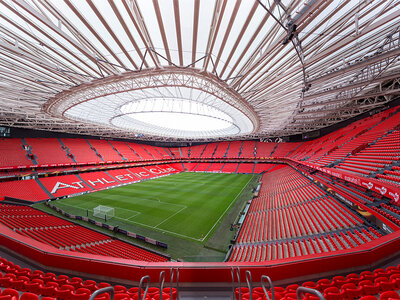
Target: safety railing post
{"type": "Point", "coordinates": [249, 281]}
{"type": "Point", "coordinates": [236, 271]}
{"type": "Point", "coordinates": [171, 281]}
{"type": "Point", "coordinates": [162, 280]}
{"type": "Point", "coordinates": [146, 280]}
{"type": "Point", "coordinates": [265, 278]}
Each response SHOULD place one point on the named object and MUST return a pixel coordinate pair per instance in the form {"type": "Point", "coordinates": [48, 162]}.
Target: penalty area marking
{"type": "Point", "coordinates": [137, 213]}
{"type": "Point", "coordinates": [115, 217]}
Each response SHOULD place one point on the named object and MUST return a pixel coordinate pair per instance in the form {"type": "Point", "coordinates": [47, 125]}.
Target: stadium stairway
{"type": "Point", "coordinates": [124, 150]}
{"type": "Point", "coordinates": [248, 149]}
{"type": "Point", "coordinates": [235, 149]}
{"type": "Point", "coordinates": [40, 148]}
{"type": "Point", "coordinates": [221, 150]}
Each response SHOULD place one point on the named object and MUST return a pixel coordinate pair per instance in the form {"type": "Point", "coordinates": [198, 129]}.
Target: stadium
{"type": "Point", "coordinates": [192, 149]}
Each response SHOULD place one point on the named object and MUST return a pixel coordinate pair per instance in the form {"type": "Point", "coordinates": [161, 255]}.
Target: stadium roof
{"type": "Point", "coordinates": [226, 69]}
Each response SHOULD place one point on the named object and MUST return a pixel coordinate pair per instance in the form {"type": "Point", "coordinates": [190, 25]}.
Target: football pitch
{"type": "Point", "coordinates": [185, 205]}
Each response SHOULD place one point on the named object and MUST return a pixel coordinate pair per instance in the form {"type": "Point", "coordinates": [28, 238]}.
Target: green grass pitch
{"type": "Point", "coordinates": [186, 205]}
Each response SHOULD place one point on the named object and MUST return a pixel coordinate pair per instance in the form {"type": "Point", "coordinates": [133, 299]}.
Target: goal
{"type": "Point", "coordinates": [104, 212]}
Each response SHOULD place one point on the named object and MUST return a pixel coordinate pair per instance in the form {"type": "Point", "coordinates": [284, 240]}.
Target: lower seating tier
{"type": "Point", "coordinates": [62, 234]}
{"type": "Point", "coordinates": [330, 242]}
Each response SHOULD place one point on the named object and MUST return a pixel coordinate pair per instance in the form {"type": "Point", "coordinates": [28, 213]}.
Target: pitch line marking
{"type": "Point", "coordinates": [223, 214]}
{"type": "Point", "coordinates": [91, 210]}
{"type": "Point", "coordinates": [170, 216]}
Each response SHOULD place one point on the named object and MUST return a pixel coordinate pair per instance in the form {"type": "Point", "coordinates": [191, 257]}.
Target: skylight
{"type": "Point", "coordinates": [177, 114]}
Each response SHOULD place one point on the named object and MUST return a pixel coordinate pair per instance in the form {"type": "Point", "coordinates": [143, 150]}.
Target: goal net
{"type": "Point", "coordinates": [104, 212]}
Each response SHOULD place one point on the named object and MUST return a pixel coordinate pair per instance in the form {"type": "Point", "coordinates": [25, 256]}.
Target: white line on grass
{"type": "Point", "coordinates": [170, 216]}
{"type": "Point", "coordinates": [223, 214]}
{"type": "Point", "coordinates": [115, 217]}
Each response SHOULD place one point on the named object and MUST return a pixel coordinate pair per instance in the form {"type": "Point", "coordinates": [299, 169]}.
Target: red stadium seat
{"type": "Point", "coordinates": [62, 279]}
{"type": "Point", "coordinates": [90, 285]}
{"type": "Point", "coordinates": [81, 294]}
{"type": "Point", "coordinates": [19, 282]}
{"type": "Point", "coordinates": [123, 296]}
{"type": "Point", "coordinates": [324, 283]}
{"type": "Point", "coordinates": [385, 284]}
{"type": "Point", "coordinates": [120, 289]}
{"type": "Point", "coordinates": [76, 282]}
{"type": "Point", "coordinates": [64, 292]}
{"type": "Point", "coordinates": [309, 284]}
{"type": "Point", "coordinates": [351, 291]}
{"type": "Point", "coordinates": [10, 292]}
{"type": "Point", "coordinates": [168, 291]}
{"type": "Point", "coordinates": [34, 286]}
{"type": "Point", "coordinates": [37, 274]}
{"type": "Point", "coordinates": [29, 296]}
{"type": "Point", "coordinates": [395, 278]}
{"type": "Point", "coordinates": [333, 293]}
{"type": "Point", "coordinates": [5, 281]}
{"type": "Point", "coordinates": [368, 288]}
{"type": "Point", "coordinates": [353, 278]}
{"type": "Point", "coordinates": [49, 289]}
{"type": "Point", "coordinates": [292, 288]}
{"type": "Point", "coordinates": [338, 281]}
{"type": "Point", "coordinates": [165, 296]}
{"type": "Point", "coordinates": [389, 295]}
{"type": "Point", "coordinates": [367, 275]}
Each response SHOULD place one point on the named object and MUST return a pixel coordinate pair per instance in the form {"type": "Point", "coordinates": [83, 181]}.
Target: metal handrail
{"type": "Point", "coordinates": [237, 272]}
{"type": "Point", "coordinates": [102, 291]}
{"type": "Point", "coordinates": [249, 281]}
{"type": "Point", "coordinates": [171, 281]}
{"type": "Point", "coordinates": [145, 279]}
{"type": "Point", "coordinates": [303, 289]}
{"type": "Point", "coordinates": [263, 278]}
{"type": "Point", "coordinates": [162, 280]}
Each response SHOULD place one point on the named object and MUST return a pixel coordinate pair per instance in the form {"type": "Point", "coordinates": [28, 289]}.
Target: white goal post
{"type": "Point", "coordinates": [104, 212]}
